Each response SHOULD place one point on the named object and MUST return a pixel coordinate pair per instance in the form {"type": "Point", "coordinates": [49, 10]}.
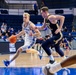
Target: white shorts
{"type": "Point", "coordinates": [28, 44]}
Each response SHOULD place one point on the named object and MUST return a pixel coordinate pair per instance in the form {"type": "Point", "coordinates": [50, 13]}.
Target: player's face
{"type": "Point", "coordinates": [25, 18]}
{"type": "Point", "coordinates": [44, 14]}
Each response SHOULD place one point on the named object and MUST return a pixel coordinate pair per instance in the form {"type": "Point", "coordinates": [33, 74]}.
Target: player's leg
{"type": "Point", "coordinates": [69, 61]}
{"type": "Point", "coordinates": [22, 48]}
{"type": "Point", "coordinates": [41, 49]}
{"type": "Point", "coordinates": [34, 51]}
{"type": "Point", "coordinates": [7, 62]}
{"type": "Point", "coordinates": [56, 67]}
{"type": "Point", "coordinates": [16, 54]}
{"type": "Point", "coordinates": [59, 51]}
{"type": "Point", "coordinates": [45, 45]}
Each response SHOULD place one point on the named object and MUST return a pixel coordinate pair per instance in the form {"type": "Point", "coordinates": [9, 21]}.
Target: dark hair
{"type": "Point", "coordinates": [44, 9]}
{"type": "Point", "coordinates": [47, 36]}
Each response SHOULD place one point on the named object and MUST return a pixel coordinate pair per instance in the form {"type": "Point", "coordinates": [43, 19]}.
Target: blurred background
{"type": "Point", "coordinates": [11, 19]}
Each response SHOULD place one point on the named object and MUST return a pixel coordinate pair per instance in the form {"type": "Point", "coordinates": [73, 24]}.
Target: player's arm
{"type": "Point", "coordinates": [20, 33]}
{"type": "Point", "coordinates": [37, 32]}
{"type": "Point", "coordinates": [60, 18]}
{"type": "Point", "coordinates": [43, 26]}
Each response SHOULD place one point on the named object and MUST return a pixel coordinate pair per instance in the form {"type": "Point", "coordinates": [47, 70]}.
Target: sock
{"type": "Point", "coordinates": [64, 57]}
{"type": "Point", "coordinates": [54, 68]}
{"type": "Point", "coordinates": [51, 57]}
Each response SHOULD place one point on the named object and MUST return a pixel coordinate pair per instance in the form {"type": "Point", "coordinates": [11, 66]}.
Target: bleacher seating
{"type": "Point", "coordinates": [20, 4]}
{"type": "Point", "coordinates": [60, 3]}
{"type": "Point", "coordinates": [68, 22]}
{"type": "Point", "coordinates": [66, 34]}
{"type": "Point", "coordinates": [15, 21]}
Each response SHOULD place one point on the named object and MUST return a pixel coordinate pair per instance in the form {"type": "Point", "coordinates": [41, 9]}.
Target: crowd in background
{"type": "Point", "coordinates": [6, 32]}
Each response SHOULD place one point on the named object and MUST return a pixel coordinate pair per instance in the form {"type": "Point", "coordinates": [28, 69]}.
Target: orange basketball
{"type": "Point", "coordinates": [12, 39]}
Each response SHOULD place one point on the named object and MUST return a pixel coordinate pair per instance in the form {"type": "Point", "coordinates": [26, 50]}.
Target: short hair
{"type": "Point", "coordinates": [44, 9]}
{"type": "Point", "coordinates": [47, 36]}
{"type": "Point", "coordinates": [25, 13]}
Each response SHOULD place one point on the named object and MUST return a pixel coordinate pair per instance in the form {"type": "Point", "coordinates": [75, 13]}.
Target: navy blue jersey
{"type": "Point", "coordinates": [53, 27]}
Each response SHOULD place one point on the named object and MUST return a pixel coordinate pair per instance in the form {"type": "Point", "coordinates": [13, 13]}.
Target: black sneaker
{"type": "Point", "coordinates": [46, 71]}
{"type": "Point", "coordinates": [52, 61]}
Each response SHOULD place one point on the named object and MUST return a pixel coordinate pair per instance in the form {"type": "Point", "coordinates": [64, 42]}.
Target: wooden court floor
{"type": "Point", "coordinates": [32, 60]}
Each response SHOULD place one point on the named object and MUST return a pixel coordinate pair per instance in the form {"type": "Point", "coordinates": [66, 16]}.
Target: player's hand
{"type": "Point", "coordinates": [57, 31]}
{"type": "Point", "coordinates": [30, 34]}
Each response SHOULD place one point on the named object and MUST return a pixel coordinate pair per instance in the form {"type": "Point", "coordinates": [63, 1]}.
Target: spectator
{"type": "Point", "coordinates": [70, 38]}
{"type": "Point", "coordinates": [11, 31]}
{"type": "Point", "coordinates": [36, 8]}
{"type": "Point", "coordinates": [73, 29]}
{"type": "Point", "coordinates": [3, 30]}
{"type": "Point", "coordinates": [47, 36]}
{"type": "Point", "coordinates": [42, 4]}
{"type": "Point", "coordinates": [6, 37]}
{"type": "Point", "coordinates": [8, 31]}
{"type": "Point", "coordinates": [3, 27]}
{"type": "Point", "coordinates": [65, 29]}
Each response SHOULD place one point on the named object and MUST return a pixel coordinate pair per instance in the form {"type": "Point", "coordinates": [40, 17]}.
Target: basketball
{"type": "Point", "coordinates": [12, 39]}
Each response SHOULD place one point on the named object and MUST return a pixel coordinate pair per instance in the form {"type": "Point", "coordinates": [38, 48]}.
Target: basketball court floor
{"type": "Point", "coordinates": [30, 64]}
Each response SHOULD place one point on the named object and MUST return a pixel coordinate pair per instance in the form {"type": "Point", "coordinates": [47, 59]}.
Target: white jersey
{"type": "Point", "coordinates": [28, 40]}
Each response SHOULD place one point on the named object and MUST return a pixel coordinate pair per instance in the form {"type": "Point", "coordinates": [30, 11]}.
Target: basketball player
{"type": "Point", "coordinates": [30, 32]}
{"type": "Point", "coordinates": [50, 69]}
{"type": "Point", "coordinates": [51, 22]}
{"type": "Point", "coordinates": [66, 46]}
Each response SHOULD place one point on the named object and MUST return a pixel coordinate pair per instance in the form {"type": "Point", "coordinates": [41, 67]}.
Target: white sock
{"type": "Point", "coordinates": [51, 57]}
{"type": "Point", "coordinates": [64, 57]}
{"type": "Point", "coordinates": [54, 68]}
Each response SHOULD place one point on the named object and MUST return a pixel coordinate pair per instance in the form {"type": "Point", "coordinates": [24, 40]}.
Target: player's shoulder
{"type": "Point", "coordinates": [31, 24]}
{"type": "Point", "coordinates": [52, 16]}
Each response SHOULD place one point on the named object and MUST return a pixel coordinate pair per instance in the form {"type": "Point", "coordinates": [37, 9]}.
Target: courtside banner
{"type": "Point", "coordinates": [12, 47]}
